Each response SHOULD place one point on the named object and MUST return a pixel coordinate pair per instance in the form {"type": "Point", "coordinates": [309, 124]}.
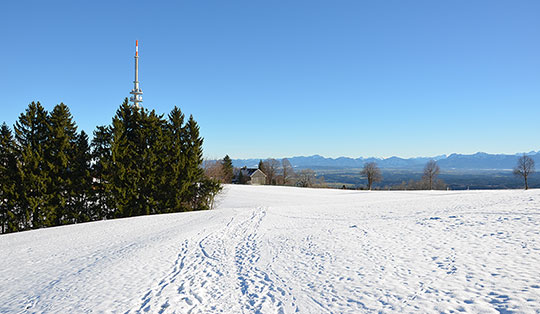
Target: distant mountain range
{"type": "Point", "coordinates": [478, 161]}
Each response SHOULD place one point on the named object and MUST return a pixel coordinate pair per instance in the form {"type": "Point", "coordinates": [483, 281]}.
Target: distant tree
{"type": "Point", "coordinates": [288, 171]}
{"type": "Point", "coordinates": [271, 166]}
{"type": "Point", "coordinates": [213, 169]}
{"type": "Point", "coordinates": [372, 173]}
{"type": "Point", "coordinates": [431, 171]}
{"type": "Point", "coordinates": [241, 177]}
{"type": "Point", "coordinates": [306, 178]}
{"type": "Point", "coordinates": [524, 167]}
{"type": "Point", "coordinates": [227, 169]}
{"type": "Point", "coordinates": [261, 166]}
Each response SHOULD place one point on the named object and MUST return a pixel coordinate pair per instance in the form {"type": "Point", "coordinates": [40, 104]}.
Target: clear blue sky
{"type": "Point", "coordinates": [285, 78]}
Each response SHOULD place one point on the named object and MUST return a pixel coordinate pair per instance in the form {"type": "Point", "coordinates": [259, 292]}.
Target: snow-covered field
{"type": "Point", "coordinates": [284, 250]}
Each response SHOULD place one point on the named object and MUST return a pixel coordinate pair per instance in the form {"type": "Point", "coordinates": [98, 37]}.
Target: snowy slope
{"type": "Point", "coordinates": [284, 250]}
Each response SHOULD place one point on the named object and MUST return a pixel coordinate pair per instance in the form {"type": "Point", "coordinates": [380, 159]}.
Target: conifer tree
{"type": "Point", "coordinates": [227, 168]}
{"type": "Point", "coordinates": [153, 163]}
{"type": "Point", "coordinates": [60, 155]}
{"type": "Point", "coordinates": [31, 136]}
{"type": "Point", "coordinates": [176, 162]}
{"type": "Point", "coordinates": [241, 179]}
{"type": "Point", "coordinates": [101, 161]}
{"type": "Point", "coordinates": [194, 159]}
{"type": "Point", "coordinates": [80, 206]}
{"type": "Point", "coordinates": [261, 166]}
{"type": "Point", "coordinates": [124, 178]}
{"type": "Point", "coordinates": [141, 164]}
{"type": "Point", "coordinates": [8, 182]}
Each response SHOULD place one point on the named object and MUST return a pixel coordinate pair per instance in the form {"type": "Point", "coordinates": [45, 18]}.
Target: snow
{"type": "Point", "coordinates": [283, 250]}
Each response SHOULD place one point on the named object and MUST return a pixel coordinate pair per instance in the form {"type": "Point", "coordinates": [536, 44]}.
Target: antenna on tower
{"type": "Point", "coordinates": [136, 91]}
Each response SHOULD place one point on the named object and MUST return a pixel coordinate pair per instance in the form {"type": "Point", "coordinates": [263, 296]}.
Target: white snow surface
{"type": "Point", "coordinates": [268, 249]}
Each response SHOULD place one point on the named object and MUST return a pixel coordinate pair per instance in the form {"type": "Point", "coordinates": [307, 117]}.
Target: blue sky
{"type": "Point", "coordinates": [287, 78]}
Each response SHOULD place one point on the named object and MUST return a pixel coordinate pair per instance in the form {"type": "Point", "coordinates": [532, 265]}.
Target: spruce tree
{"type": "Point", "coordinates": [240, 177]}
{"type": "Point", "coordinates": [176, 162]}
{"type": "Point", "coordinates": [194, 159]}
{"type": "Point", "coordinates": [80, 206]}
{"type": "Point", "coordinates": [8, 182]}
{"type": "Point", "coordinates": [101, 162]}
{"type": "Point", "coordinates": [31, 136]}
{"type": "Point", "coordinates": [124, 179]}
{"type": "Point", "coordinates": [141, 164]}
{"type": "Point", "coordinates": [60, 155]}
{"type": "Point", "coordinates": [153, 160]}
{"type": "Point", "coordinates": [261, 166]}
{"type": "Point", "coordinates": [227, 168]}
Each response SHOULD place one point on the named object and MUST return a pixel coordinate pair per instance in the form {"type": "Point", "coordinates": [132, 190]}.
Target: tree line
{"type": "Point", "coordinates": [429, 180]}
{"type": "Point", "coordinates": [277, 173]}
{"type": "Point", "coordinates": [524, 168]}
{"type": "Point", "coordinates": [283, 173]}
{"type": "Point", "coordinates": [140, 164]}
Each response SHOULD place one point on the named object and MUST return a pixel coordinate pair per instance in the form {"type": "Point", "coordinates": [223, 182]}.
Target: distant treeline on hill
{"type": "Point", "coordinates": [141, 164]}
{"type": "Point", "coordinates": [478, 161]}
{"type": "Point", "coordinates": [476, 171]}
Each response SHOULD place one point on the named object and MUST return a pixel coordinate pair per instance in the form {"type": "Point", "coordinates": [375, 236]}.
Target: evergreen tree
{"type": "Point", "coordinates": [176, 162]}
{"type": "Point", "coordinates": [101, 162]}
{"type": "Point", "coordinates": [141, 164]}
{"type": "Point", "coordinates": [241, 179]}
{"type": "Point", "coordinates": [80, 206]}
{"type": "Point", "coordinates": [261, 166]}
{"type": "Point", "coordinates": [60, 155]}
{"type": "Point", "coordinates": [8, 177]}
{"type": "Point", "coordinates": [194, 159]}
{"type": "Point", "coordinates": [154, 146]}
{"type": "Point", "coordinates": [208, 189]}
{"type": "Point", "coordinates": [31, 136]}
{"type": "Point", "coordinates": [227, 168]}
{"type": "Point", "coordinates": [123, 181]}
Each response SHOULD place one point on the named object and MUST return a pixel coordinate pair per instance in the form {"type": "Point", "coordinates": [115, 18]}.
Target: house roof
{"type": "Point", "coordinates": [251, 171]}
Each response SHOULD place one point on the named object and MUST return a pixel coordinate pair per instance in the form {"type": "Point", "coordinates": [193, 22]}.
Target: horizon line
{"type": "Point", "coordinates": [440, 156]}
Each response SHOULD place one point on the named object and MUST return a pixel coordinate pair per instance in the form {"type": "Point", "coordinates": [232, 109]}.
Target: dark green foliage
{"type": "Point", "coordinates": [141, 164]}
{"type": "Point", "coordinates": [82, 199]}
{"type": "Point", "coordinates": [8, 182]}
{"type": "Point", "coordinates": [175, 169]}
{"type": "Point", "coordinates": [193, 170]}
{"type": "Point", "coordinates": [241, 179]}
{"type": "Point", "coordinates": [155, 164]}
{"type": "Point", "coordinates": [31, 132]}
{"type": "Point", "coordinates": [261, 166]}
{"type": "Point", "coordinates": [101, 161]}
{"type": "Point", "coordinates": [227, 168]}
{"type": "Point", "coordinates": [124, 178]}
{"type": "Point", "coordinates": [60, 158]}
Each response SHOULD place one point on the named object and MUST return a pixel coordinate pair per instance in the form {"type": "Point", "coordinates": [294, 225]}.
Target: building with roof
{"type": "Point", "coordinates": [251, 176]}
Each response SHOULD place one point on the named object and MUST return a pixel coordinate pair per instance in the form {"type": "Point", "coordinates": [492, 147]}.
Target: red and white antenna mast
{"type": "Point", "coordinates": [136, 91]}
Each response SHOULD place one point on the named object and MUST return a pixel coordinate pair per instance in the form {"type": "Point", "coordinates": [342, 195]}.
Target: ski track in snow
{"type": "Point", "coordinates": [289, 250]}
